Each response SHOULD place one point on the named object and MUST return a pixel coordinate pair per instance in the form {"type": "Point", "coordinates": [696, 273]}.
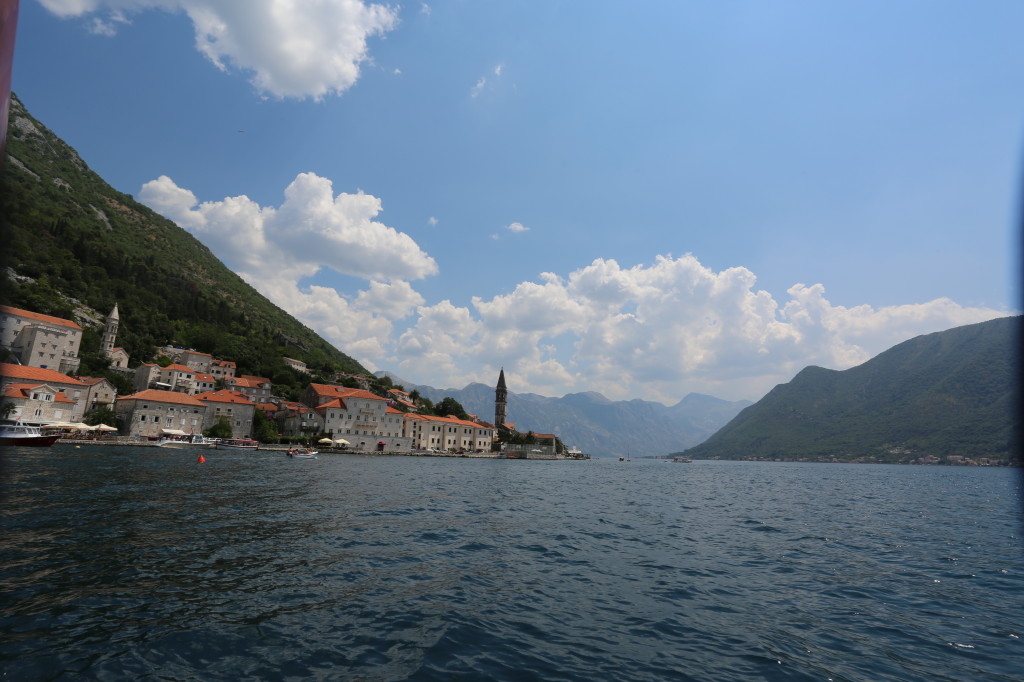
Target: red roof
{"type": "Point", "coordinates": [448, 420]}
{"type": "Point", "coordinates": [36, 374]}
{"type": "Point", "coordinates": [178, 368]}
{"type": "Point", "coordinates": [22, 391]}
{"type": "Point", "coordinates": [90, 381]}
{"type": "Point", "coordinates": [158, 396]}
{"type": "Point", "coordinates": [225, 396]}
{"type": "Point", "coordinates": [331, 391]}
{"type": "Point", "coordinates": [39, 317]}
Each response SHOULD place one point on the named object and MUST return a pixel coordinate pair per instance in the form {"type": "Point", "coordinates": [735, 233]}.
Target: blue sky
{"type": "Point", "coordinates": [643, 199]}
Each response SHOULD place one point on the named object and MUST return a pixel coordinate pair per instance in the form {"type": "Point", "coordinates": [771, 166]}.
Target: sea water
{"type": "Point", "coordinates": [129, 563]}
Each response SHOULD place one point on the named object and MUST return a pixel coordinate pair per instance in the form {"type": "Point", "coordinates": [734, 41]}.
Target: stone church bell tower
{"type": "Point", "coordinates": [110, 332]}
{"type": "Point", "coordinates": [500, 400]}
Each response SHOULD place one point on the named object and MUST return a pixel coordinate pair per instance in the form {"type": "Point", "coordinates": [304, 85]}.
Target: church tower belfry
{"type": "Point", "coordinates": [500, 400]}
{"type": "Point", "coordinates": [110, 332]}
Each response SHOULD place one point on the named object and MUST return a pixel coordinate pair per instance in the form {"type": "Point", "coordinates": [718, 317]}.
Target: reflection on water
{"type": "Point", "coordinates": [144, 564]}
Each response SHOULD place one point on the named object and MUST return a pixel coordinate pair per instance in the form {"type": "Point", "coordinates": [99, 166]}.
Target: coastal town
{"type": "Point", "coordinates": [183, 392]}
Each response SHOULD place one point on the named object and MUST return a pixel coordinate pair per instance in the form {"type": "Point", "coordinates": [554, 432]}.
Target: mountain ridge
{"type": "Point", "coordinates": [592, 422]}
{"type": "Point", "coordinates": [944, 395]}
{"type": "Point", "coordinates": [67, 234]}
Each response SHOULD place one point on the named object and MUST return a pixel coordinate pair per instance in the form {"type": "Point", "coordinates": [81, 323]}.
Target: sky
{"type": "Point", "coordinates": [641, 199]}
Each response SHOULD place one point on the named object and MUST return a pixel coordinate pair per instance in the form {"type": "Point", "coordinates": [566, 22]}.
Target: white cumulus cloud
{"type": "Point", "coordinates": [658, 331]}
{"type": "Point", "coordinates": [275, 248]}
{"type": "Point", "coordinates": [312, 48]}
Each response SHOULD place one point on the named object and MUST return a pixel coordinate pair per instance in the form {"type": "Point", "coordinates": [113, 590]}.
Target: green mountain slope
{"type": "Point", "coordinates": [67, 233]}
{"type": "Point", "coordinates": [945, 394]}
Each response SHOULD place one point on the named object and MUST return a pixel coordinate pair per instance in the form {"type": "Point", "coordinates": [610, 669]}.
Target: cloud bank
{"type": "Point", "coordinates": [310, 50]}
{"type": "Point", "coordinates": [656, 331]}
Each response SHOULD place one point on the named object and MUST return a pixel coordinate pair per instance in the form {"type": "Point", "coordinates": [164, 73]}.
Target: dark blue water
{"type": "Point", "coordinates": [143, 564]}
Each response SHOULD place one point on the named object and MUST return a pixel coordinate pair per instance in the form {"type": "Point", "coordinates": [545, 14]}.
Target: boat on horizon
{"type": "Point", "coordinates": [23, 435]}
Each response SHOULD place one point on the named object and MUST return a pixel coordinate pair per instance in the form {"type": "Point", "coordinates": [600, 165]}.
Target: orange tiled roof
{"type": "Point", "coordinates": [21, 391]}
{"type": "Point", "coordinates": [255, 380]}
{"type": "Point", "coordinates": [332, 404]}
{"type": "Point", "coordinates": [158, 396]}
{"type": "Point", "coordinates": [331, 391]}
{"type": "Point", "coordinates": [178, 368]}
{"type": "Point", "coordinates": [90, 381]}
{"type": "Point", "coordinates": [36, 374]}
{"type": "Point", "coordinates": [39, 317]}
{"type": "Point", "coordinates": [448, 420]}
{"type": "Point", "coordinates": [208, 378]}
{"type": "Point", "coordinates": [225, 396]}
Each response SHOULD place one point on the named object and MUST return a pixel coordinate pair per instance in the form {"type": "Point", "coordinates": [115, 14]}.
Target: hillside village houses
{"type": "Point", "coordinates": [196, 390]}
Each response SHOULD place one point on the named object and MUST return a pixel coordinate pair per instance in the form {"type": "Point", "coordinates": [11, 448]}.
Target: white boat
{"type": "Point", "coordinates": [303, 454]}
{"type": "Point", "coordinates": [23, 435]}
{"type": "Point", "coordinates": [238, 444]}
{"type": "Point", "coordinates": [195, 440]}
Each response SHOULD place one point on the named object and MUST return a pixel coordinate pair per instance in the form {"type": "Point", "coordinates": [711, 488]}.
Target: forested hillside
{"type": "Point", "coordinates": [68, 235]}
{"type": "Point", "coordinates": [944, 395]}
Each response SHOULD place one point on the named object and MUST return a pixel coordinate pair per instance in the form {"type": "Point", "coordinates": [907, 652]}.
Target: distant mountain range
{"type": "Point", "coordinates": [595, 424]}
{"type": "Point", "coordinates": [944, 395]}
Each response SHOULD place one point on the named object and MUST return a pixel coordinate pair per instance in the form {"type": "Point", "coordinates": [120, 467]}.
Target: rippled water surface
{"type": "Point", "coordinates": [144, 564]}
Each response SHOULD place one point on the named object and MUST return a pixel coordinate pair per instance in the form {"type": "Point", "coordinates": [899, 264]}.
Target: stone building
{"type": "Point", "coordinates": [358, 416]}
{"type": "Point", "coordinates": [38, 340]}
{"type": "Point", "coordinates": [429, 432]}
{"type": "Point", "coordinates": [39, 403]}
{"type": "Point", "coordinates": [99, 393]}
{"type": "Point", "coordinates": [152, 413]}
{"type": "Point", "coordinates": [233, 406]}
{"type": "Point", "coordinates": [73, 389]}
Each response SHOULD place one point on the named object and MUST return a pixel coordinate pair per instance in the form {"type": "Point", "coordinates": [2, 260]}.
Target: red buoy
{"type": "Point", "coordinates": [201, 459]}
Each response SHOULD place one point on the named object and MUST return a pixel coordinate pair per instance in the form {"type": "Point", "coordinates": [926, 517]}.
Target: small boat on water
{"type": "Point", "coordinates": [195, 440]}
{"type": "Point", "coordinates": [23, 435]}
{"type": "Point", "coordinates": [238, 444]}
{"type": "Point", "coordinates": [303, 454]}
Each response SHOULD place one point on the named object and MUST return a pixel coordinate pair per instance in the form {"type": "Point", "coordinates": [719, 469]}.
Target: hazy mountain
{"type": "Point", "coordinates": [943, 394]}
{"type": "Point", "coordinates": [595, 424]}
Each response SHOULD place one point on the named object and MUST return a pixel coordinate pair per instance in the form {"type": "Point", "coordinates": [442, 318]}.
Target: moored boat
{"type": "Point", "coordinates": [195, 440]}
{"type": "Point", "coordinates": [238, 444]}
{"type": "Point", "coordinates": [303, 454]}
{"type": "Point", "coordinates": [23, 435]}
